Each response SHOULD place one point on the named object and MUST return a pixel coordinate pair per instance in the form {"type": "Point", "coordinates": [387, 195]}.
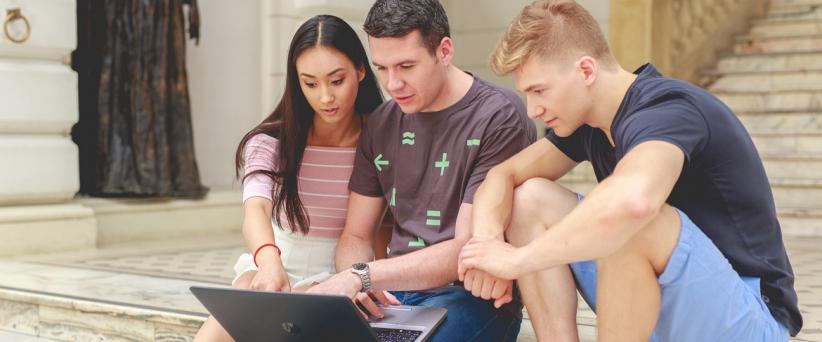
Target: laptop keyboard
{"type": "Point", "coordinates": [396, 335]}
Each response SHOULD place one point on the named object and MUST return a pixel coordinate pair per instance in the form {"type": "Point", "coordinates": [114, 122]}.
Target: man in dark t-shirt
{"type": "Point", "coordinates": [679, 241]}
{"type": "Point", "coordinates": [423, 154]}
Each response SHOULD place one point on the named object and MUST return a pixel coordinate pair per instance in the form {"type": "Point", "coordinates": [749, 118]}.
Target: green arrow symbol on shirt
{"type": "Point", "coordinates": [378, 162]}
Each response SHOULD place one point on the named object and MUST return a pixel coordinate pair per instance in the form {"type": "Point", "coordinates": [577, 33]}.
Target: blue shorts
{"type": "Point", "coordinates": [703, 298]}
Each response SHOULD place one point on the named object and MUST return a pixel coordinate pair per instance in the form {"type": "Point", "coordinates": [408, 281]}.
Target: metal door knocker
{"type": "Point", "coordinates": [13, 14]}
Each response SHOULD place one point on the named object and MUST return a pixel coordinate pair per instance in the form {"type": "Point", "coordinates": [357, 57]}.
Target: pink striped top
{"type": "Point", "coordinates": [322, 182]}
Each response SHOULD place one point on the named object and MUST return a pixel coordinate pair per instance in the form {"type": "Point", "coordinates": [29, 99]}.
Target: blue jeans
{"type": "Point", "coordinates": [468, 318]}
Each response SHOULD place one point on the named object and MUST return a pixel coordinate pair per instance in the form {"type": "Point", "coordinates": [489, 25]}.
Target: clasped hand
{"type": "Point", "coordinates": [488, 267]}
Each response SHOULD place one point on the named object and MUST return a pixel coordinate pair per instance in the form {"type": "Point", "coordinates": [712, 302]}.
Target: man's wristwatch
{"type": "Point", "coordinates": [361, 270]}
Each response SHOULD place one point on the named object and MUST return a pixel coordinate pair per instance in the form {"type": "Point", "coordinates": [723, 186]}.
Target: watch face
{"type": "Point", "coordinates": [359, 266]}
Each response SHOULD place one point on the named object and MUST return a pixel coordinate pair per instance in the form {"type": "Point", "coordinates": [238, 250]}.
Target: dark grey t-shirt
{"type": "Point", "coordinates": [426, 165]}
{"type": "Point", "coordinates": [723, 187]}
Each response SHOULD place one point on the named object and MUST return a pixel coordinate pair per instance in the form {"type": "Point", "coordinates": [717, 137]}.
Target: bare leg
{"type": "Point", "coordinates": [211, 330]}
{"type": "Point", "coordinates": [549, 295]}
{"type": "Point", "coordinates": [628, 294]}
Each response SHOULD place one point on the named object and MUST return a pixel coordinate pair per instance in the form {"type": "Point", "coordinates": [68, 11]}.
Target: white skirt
{"type": "Point", "coordinates": [306, 259]}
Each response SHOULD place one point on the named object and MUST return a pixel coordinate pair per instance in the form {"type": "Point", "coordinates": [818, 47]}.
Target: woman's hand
{"type": "Point", "coordinates": [271, 277]}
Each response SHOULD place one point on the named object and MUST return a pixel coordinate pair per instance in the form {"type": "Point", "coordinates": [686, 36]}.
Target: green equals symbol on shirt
{"type": "Point", "coordinates": [408, 138]}
{"type": "Point", "coordinates": [433, 218]}
{"type": "Point", "coordinates": [472, 142]}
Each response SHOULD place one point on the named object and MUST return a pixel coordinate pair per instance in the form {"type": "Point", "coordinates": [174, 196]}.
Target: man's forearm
{"type": "Point", "coordinates": [597, 227]}
{"type": "Point", "coordinates": [492, 205]}
{"type": "Point", "coordinates": [352, 249]}
{"type": "Point", "coordinates": [428, 268]}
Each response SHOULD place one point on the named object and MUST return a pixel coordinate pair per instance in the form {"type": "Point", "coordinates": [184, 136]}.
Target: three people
{"type": "Point", "coordinates": [678, 241]}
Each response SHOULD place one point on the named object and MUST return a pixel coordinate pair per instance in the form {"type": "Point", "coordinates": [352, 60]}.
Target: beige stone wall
{"type": "Point", "coordinates": [477, 25]}
{"type": "Point", "coordinates": [224, 82]}
{"type": "Point", "coordinates": [681, 37]}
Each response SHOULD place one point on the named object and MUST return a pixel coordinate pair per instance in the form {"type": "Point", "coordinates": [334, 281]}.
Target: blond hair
{"type": "Point", "coordinates": [553, 29]}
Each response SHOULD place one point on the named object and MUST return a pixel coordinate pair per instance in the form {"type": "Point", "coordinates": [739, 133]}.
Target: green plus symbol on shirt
{"type": "Point", "coordinates": [433, 218]}
{"type": "Point", "coordinates": [472, 142]}
{"type": "Point", "coordinates": [378, 162]}
{"type": "Point", "coordinates": [442, 164]}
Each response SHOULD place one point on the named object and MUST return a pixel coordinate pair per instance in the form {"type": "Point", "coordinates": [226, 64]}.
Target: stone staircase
{"type": "Point", "coordinates": [773, 81]}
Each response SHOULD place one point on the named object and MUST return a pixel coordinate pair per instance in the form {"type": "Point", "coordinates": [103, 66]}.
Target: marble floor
{"type": "Point", "coordinates": [157, 275]}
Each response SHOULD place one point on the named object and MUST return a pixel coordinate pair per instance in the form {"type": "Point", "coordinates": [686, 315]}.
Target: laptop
{"type": "Point", "coordinates": [278, 316]}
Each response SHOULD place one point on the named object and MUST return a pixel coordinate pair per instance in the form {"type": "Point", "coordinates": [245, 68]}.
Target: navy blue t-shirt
{"type": "Point", "coordinates": [723, 187]}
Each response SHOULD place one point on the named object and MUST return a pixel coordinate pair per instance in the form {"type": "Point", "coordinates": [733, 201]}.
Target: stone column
{"type": "Point", "coordinates": [279, 22]}
{"type": "Point", "coordinates": [38, 106]}
{"type": "Point", "coordinates": [639, 33]}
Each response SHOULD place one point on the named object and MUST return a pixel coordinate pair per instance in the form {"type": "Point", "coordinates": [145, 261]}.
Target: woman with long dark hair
{"type": "Point", "coordinates": [297, 162]}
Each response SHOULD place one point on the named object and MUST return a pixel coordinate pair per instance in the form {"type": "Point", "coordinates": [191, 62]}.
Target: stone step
{"type": "Point", "coordinates": [56, 227]}
{"type": "Point", "coordinates": [62, 318]}
{"type": "Point", "coordinates": [766, 22]}
{"type": "Point", "coordinates": [777, 28]}
{"type": "Point", "coordinates": [766, 102]}
{"type": "Point", "coordinates": [797, 11]}
{"type": "Point", "coordinates": [792, 166]}
{"type": "Point", "coordinates": [69, 304]}
{"type": "Point", "coordinates": [800, 221]}
{"type": "Point", "coordinates": [769, 82]}
{"type": "Point", "coordinates": [35, 317]}
{"type": "Point", "coordinates": [43, 302]}
{"type": "Point", "coordinates": [777, 3]}
{"type": "Point", "coordinates": [778, 44]}
{"type": "Point", "coordinates": [797, 143]}
{"type": "Point", "coordinates": [782, 122]}
{"type": "Point", "coordinates": [797, 192]}
{"type": "Point", "coordinates": [124, 220]}
{"type": "Point", "coordinates": [776, 62]}
{"type": "Point", "coordinates": [6, 336]}
{"type": "Point", "coordinates": [777, 7]}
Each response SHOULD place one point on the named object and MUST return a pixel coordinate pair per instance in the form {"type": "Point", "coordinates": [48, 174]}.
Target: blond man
{"type": "Point", "coordinates": [678, 241]}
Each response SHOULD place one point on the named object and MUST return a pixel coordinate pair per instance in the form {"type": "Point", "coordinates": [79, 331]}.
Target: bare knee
{"type": "Point", "coordinates": [538, 204]}
{"type": "Point", "coordinates": [650, 246]}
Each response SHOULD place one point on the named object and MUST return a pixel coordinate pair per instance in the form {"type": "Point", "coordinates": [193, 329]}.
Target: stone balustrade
{"type": "Point", "coordinates": [681, 37]}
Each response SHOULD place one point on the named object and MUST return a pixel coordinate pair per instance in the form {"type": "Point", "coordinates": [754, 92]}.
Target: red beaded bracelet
{"type": "Point", "coordinates": [263, 246]}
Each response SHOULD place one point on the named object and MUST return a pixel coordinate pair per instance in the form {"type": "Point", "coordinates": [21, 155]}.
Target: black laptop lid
{"type": "Point", "coordinates": [271, 316]}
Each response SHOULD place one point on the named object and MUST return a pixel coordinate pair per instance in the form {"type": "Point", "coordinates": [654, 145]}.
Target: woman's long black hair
{"type": "Point", "coordinates": [291, 119]}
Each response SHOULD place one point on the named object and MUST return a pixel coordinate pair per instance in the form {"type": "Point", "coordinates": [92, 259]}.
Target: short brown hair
{"type": "Point", "coordinates": [554, 29]}
{"type": "Point", "coordinates": [397, 18]}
